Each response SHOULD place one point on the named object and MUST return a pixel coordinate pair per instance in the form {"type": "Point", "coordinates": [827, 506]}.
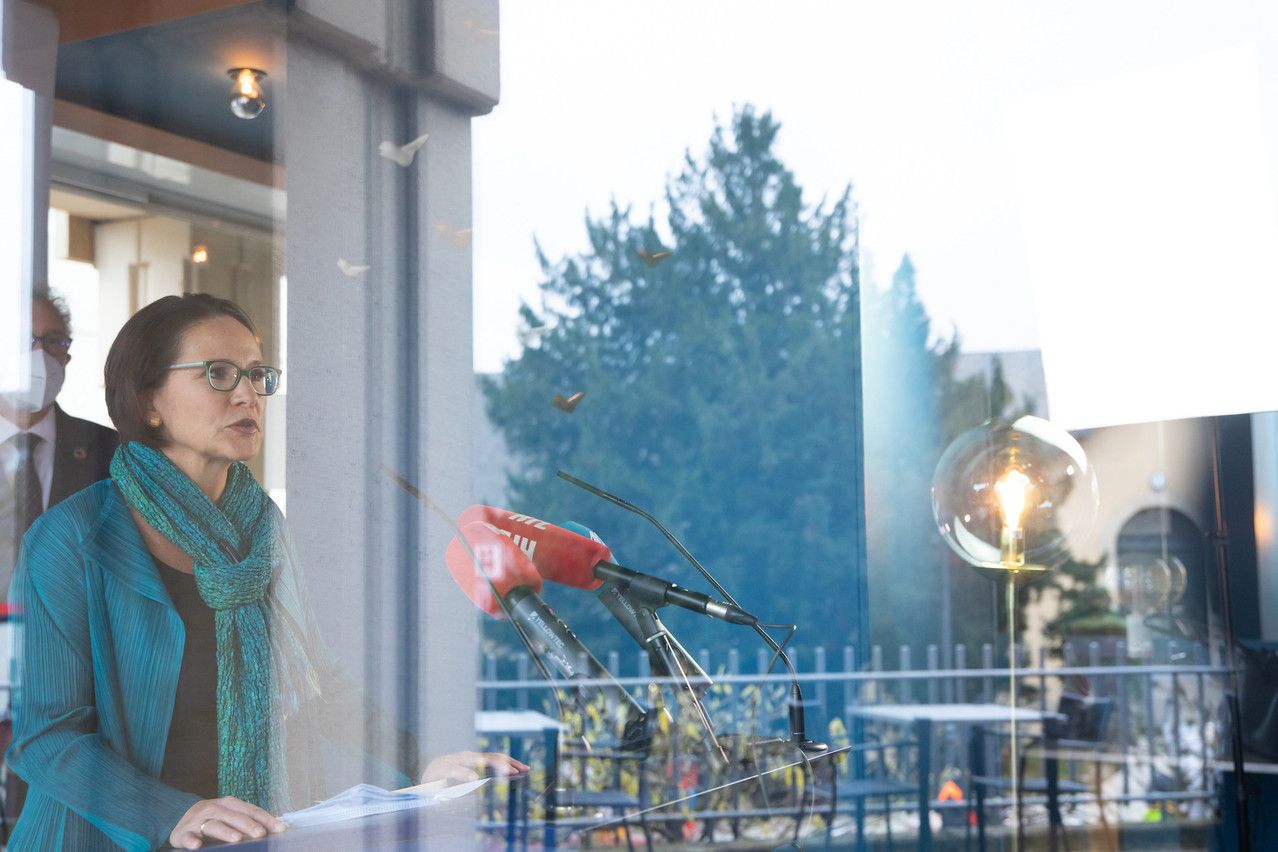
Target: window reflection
{"type": "Point", "coordinates": [777, 264]}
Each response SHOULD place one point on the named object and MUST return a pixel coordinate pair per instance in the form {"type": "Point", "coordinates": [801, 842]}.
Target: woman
{"type": "Point", "coordinates": [166, 628]}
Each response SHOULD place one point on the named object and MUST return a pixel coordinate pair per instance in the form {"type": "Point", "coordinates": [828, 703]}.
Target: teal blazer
{"type": "Point", "coordinates": [98, 659]}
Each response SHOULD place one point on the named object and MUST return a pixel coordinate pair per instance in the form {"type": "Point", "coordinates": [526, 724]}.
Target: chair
{"type": "Point", "coordinates": [870, 775]}
{"type": "Point", "coordinates": [1079, 729]}
{"type": "Point", "coordinates": [631, 750]}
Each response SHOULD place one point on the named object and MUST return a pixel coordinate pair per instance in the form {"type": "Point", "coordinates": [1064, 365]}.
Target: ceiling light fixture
{"type": "Point", "coordinates": [246, 94]}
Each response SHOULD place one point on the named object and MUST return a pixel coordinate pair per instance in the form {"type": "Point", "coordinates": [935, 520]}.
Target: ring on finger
{"type": "Point", "coordinates": [202, 834]}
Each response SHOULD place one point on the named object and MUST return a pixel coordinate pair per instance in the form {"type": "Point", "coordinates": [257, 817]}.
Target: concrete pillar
{"type": "Point", "coordinates": [28, 57]}
{"type": "Point", "coordinates": [380, 362]}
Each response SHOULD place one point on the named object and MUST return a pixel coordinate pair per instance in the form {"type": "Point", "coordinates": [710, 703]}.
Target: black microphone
{"type": "Point", "coordinates": [798, 734]}
{"type": "Point", "coordinates": [552, 639]}
{"type": "Point", "coordinates": [668, 658]}
{"type": "Point", "coordinates": [657, 592]}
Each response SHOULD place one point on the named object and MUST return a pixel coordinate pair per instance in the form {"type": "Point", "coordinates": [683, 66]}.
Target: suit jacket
{"type": "Point", "coordinates": [99, 656]}
{"type": "Point", "coordinates": [82, 453]}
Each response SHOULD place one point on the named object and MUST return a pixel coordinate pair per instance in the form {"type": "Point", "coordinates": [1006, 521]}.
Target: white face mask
{"type": "Point", "coordinates": [47, 374]}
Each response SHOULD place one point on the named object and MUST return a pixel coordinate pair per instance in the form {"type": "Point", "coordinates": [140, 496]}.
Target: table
{"type": "Point", "coordinates": [524, 728]}
{"type": "Point", "coordinates": [923, 717]}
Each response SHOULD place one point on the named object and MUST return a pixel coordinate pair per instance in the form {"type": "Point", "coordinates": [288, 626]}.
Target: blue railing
{"type": "Point", "coordinates": [1165, 742]}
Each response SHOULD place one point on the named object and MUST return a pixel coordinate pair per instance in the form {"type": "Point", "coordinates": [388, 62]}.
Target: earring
{"type": "Point", "coordinates": [154, 421]}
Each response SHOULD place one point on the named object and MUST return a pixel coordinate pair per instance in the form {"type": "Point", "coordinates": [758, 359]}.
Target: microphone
{"type": "Point", "coordinates": [667, 656]}
{"type": "Point", "coordinates": [798, 734]}
{"type": "Point", "coordinates": [574, 560]}
{"type": "Point", "coordinates": [495, 569]}
{"type": "Point", "coordinates": [499, 561]}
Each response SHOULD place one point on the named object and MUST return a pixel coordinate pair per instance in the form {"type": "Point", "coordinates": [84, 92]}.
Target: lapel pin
{"type": "Point", "coordinates": [80, 454]}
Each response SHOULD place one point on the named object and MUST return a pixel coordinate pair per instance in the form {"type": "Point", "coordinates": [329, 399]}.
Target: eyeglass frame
{"type": "Point", "coordinates": [59, 348]}
{"type": "Point", "coordinates": [240, 373]}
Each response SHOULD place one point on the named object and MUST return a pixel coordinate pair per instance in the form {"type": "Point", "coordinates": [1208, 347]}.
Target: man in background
{"type": "Point", "coordinates": [46, 455]}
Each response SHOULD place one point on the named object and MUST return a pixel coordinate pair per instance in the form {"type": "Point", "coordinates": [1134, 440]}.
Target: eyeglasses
{"type": "Point", "coordinates": [54, 344]}
{"type": "Point", "coordinates": [224, 376]}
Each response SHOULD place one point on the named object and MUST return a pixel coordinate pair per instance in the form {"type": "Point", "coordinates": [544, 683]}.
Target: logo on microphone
{"type": "Point", "coordinates": [529, 520]}
{"type": "Point", "coordinates": [622, 599]}
{"type": "Point", "coordinates": [545, 629]}
{"type": "Point", "coordinates": [527, 545]}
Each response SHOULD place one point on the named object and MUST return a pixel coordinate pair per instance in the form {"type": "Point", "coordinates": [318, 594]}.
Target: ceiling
{"type": "Point", "coordinates": [93, 209]}
{"type": "Point", "coordinates": [173, 75]}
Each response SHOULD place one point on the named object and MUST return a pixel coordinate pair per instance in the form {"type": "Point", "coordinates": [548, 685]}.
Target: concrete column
{"type": "Point", "coordinates": [380, 362]}
{"type": "Point", "coordinates": [28, 57]}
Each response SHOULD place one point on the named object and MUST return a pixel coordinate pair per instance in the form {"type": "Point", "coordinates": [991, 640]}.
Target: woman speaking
{"type": "Point", "coordinates": [174, 686]}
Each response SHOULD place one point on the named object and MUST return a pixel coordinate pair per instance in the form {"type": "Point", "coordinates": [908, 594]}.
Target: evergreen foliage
{"type": "Point", "coordinates": [916, 403]}
{"type": "Point", "coordinates": [722, 396]}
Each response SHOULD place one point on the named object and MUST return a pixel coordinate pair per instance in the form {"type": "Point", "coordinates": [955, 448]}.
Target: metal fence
{"type": "Point", "coordinates": [1163, 742]}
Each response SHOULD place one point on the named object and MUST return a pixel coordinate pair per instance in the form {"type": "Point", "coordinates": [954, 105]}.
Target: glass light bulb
{"type": "Point", "coordinates": [246, 93]}
{"type": "Point", "coordinates": [1148, 583]}
{"type": "Point", "coordinates": [1012, 491]}
{"type": "Point", "coordinates": [1009, 496]}
{"type": "Point", "coordinates": [1144, 584]}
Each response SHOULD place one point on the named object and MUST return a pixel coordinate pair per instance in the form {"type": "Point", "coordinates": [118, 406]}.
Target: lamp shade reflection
{"type": "Point", "coordinates": [1150, 584]}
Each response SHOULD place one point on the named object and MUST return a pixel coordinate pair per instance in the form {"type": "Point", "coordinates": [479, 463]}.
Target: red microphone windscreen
{"type": "Point", "coordinates": [559, 555]}
{"type": "Point", "coordinates": [497, 560]}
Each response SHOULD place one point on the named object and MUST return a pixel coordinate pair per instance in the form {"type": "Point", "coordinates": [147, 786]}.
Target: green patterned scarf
{"type": "Point", "coordinates": [234, 544]}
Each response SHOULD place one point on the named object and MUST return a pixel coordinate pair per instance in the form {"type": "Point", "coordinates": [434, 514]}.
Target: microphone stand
{"type": "Point", "coordinates": [798, 734]}
{"type": "Point", "coordinates": [660, 649]}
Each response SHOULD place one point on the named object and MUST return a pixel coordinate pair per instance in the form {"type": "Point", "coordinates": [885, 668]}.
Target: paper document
{"type": "Point", "coordinates": [366, 800]}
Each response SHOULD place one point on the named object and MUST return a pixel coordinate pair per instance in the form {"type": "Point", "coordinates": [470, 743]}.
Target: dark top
{"type": "Point", "coordinates": [190, 753]}
{"type": "Point", "coordinates": [82, 452]}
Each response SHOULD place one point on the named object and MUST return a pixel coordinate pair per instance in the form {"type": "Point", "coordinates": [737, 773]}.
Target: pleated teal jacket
{"type": "Point", "coordinates": [99, 652]}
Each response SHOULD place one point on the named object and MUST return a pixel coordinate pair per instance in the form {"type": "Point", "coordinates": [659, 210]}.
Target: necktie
{"type": "Point", "coordinates": [29, 496]}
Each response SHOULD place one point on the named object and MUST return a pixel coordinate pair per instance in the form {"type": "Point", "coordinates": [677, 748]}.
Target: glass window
{"type": "Point", "coordinates": [620, 347]}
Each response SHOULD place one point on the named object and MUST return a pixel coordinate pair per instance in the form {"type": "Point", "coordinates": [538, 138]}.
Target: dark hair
{"type": "Point", "coordinates": [58, 304]}
{"type": "Point", "coordinates": [141, 353]}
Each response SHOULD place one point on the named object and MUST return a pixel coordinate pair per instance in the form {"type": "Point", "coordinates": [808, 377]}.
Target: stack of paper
{"type": "Point", "coordinates": [366, 800]}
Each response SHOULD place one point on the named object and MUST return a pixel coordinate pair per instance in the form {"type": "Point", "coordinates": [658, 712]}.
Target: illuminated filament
{"type": "Point", "coordinates": [248, 84]}
{"type": "Point", "coordinates": [1013, 492]}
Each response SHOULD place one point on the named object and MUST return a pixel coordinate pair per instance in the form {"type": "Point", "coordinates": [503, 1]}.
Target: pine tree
{"type": "Point", "coordinates": [722, 395]}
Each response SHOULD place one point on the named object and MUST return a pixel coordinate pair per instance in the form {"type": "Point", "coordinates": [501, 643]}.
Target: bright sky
{"type": "Point", "coordinates": [14, 211]}
{"type": "Point", "coordinates": [905, 100]}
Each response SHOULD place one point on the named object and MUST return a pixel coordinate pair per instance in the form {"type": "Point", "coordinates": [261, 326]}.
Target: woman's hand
{"type": "Point", "coordinates": [465, 766]}
{"type": "Point", "coordinates": [228, 819]}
